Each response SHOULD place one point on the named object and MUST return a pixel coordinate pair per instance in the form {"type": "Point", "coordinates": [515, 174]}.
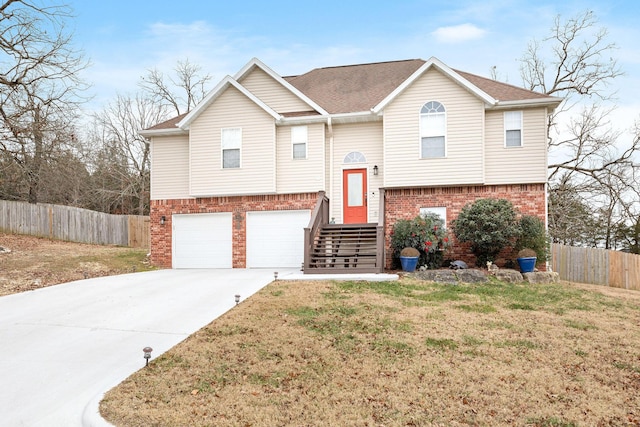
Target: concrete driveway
{"type": "Point", "coordinates": [63, 347]}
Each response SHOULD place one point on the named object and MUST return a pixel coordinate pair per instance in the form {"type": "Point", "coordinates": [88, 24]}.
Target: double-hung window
{"type": "Point", "coordinates": [231, 144]}
{"type": "Point", "coordinates": [513, 129]}
{"type": "Point", "coordinates": [299, 142]}
{"type": "Point", "coordinates": [433, 128]}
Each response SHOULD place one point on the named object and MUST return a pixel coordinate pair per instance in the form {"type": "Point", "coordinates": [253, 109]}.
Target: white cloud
{"type": "Point", "coordinates": [458, 33]}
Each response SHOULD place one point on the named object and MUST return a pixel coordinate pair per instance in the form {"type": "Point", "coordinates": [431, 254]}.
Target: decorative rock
{"type": "Point", "coordinates": [479, 276]}
{"type": "Point", "coordinates": [4, 250]}
{"type": "Point", "coordinates": [509, 276]}
{"type": "Point", "coordinates": [452, 277]}
{"type": "Point", "coordinates": [542, 277]}
{"type": "Point", "coordinates": [471, 276]}
{"type": "Point", "coordinates": [440, 276]}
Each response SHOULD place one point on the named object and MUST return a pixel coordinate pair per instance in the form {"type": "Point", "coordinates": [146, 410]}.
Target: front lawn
{"type": "Point", "coordinates": [407, 353]}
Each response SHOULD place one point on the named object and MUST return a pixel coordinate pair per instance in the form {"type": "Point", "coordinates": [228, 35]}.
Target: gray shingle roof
{"type": "Point", "coordinates": [358, 88]}
{"type": "Point", "coordinates": [353, 88]}
{"type": "Point", "coordinates": [169, 124]}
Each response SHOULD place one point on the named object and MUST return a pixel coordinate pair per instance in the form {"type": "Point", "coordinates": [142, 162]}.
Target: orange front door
{"type": "Point", "coordinates": [354, 196]}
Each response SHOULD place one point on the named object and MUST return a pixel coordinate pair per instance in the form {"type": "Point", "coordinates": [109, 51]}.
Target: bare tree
{"type": "Point", "coordinates": [40, 87]}
{"type": "Point", "coordinates": [576, 62]}
{"type": "Point", "coordinates": [117, 134]}
{"type": "Point", "coordinates": [581, 62]}
{"type": "Point", "coordinates": [120, 170]}
{"type": "Point", "coordinates": [181, 92]}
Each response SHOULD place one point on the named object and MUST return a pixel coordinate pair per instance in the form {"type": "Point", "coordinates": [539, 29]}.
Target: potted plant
{"type": "Point", "coordinates": [532, 240]}
{"type": "Point", "coordinates": [409, 259]}
{"type": "Point", "coordinates": [527, 260]}
{"type": "Point", "coordinates": [424, 233]}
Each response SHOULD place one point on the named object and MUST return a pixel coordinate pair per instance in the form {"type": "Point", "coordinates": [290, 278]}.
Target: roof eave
{"type": "Point", "coordinates": [535, 102]}
{"type": "Point", "coordinates": [356, 117]}
{"type": "Point", "coordinates": [149, 133]}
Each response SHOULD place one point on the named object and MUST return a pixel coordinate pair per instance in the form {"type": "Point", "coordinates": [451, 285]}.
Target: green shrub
{"type": "Point", "coordinates": [489, 225]}
{"type": "Point", "coordinates": [426, 234]}
{"type": "Point", "coordinates": [533, 235]}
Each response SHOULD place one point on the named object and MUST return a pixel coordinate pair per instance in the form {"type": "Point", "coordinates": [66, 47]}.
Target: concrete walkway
{"type": "Point", "coordinates": [63, 347]}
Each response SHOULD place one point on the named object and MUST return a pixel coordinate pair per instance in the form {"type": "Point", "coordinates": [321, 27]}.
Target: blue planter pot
{"type": "Point", "coordinates": [527, 265]}
{"type": "Point", "coordinates": [409, 263]}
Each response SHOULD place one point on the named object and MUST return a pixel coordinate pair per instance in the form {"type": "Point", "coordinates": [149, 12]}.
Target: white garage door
{"type": "Point", "coordinates": [202, 240]}
{"type": "Point", "coordinates": [276, 238]}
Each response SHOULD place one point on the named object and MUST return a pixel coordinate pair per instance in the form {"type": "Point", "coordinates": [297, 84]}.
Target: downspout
{"type": "Point", "coordinates": [330, 128]}
{"type": "Point", "coordinates": [549, 262]}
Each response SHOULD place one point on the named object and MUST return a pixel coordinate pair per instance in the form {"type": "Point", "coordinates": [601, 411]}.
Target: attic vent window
{"type": "Point", "coordinates": [355, 157]}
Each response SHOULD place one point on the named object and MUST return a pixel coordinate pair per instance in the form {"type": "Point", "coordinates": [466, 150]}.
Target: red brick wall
{"type": "Point", "coordinates": [238, 205]}
{"type": "Point", "coordinates": [528, 199]}
{"type": "Point", "coordinates": [399, 204]}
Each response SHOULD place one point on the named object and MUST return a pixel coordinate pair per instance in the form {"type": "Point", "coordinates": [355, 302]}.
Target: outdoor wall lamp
{"type": "Point", "coordinates": [375, 170]}
{"type": "Point", "coordinates": [147, 354]}
{"type": "Point", "coordinates": [237, 298]}
{"type": "Point", "coordinates": [162, 220]}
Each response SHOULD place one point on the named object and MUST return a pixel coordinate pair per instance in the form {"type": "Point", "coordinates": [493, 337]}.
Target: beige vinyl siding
{"type": "Point", "coordinates": [516, 165]}
{"type": "Point", "coordinates": [300, 175]}
{"type": "Point", "coordinates": [169, 167]}
{"type": "Point", "coordinates": [257, 155]}
{"type": "Point", "coordinates": [367, 139]}
{"type": "Point", "coordinates": [272, 93]}
{"type": "Point", "coordinates": [464, 135]}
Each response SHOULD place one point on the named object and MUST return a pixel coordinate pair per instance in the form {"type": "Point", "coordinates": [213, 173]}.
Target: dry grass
{"type": "Point", "coordinates": [409, 353]}
{"type": "Point", "coordinates": [36, 263]}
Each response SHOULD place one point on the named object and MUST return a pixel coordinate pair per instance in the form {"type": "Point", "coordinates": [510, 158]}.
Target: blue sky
{"type": "Point", "coordinates": [122, 39]}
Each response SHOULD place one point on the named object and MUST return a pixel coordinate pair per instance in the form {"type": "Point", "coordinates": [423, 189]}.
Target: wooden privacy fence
{"type": "Point", "coordinates": [596, 266]}
{"type": "Point", "coordinates": [74, 224]}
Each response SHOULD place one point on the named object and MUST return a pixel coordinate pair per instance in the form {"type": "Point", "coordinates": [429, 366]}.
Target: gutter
{"type": "Point", "coordinates": [539, 102]}
{"type": "Point", "coordinates": [163, 132]}
{"type": "Point", "coordinates": [330, 128]}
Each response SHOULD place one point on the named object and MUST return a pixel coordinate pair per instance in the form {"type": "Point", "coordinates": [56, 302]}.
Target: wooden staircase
{"type": "Point", "coordinates": [346, 248]}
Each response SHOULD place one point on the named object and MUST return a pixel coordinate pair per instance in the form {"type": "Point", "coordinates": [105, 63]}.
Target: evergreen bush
{"type": "Point", "coordinates": [489, 225]}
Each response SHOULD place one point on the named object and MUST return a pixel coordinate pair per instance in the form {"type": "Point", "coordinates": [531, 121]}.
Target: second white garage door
{"type": "Point", "coordinates": [276, 238]}
{"type": "Point", "coordinates": [202, 240]}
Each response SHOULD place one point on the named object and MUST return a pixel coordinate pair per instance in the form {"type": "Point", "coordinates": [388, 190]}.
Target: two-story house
{"type": "Point", "coordinates": [235, 182]}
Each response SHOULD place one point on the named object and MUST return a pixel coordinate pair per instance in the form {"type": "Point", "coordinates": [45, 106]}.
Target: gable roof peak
{"type": "Point", "coordinates": [225, 83]}
{"type": "Point", "coordinates": [256, 63]}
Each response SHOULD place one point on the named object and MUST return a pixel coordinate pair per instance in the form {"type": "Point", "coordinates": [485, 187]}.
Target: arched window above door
{"type": "Point", "coordinates": [355, 157]}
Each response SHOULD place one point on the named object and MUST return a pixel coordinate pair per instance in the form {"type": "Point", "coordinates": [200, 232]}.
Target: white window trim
{"type": "Point", "coordinates": [296, 142]}
{"type": "Point", "coordinates": [222, 147]}
{"type": "Point", "coordinates": [506, 128]}
{"type": "Point", "coordinates": [446, 145]}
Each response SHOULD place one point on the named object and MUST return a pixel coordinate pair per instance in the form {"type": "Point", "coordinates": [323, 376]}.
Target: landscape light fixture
{"type": "Point", "coordinates": [162, 220]}
{"type": "Point", "coordinates": [275, 275]}
{"type": "Point", "coordinates": [375, 170]}
{"type": "Point", "coordinates": [237, 298]}
{"type": "Point", "coordinates": [147, 354]}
